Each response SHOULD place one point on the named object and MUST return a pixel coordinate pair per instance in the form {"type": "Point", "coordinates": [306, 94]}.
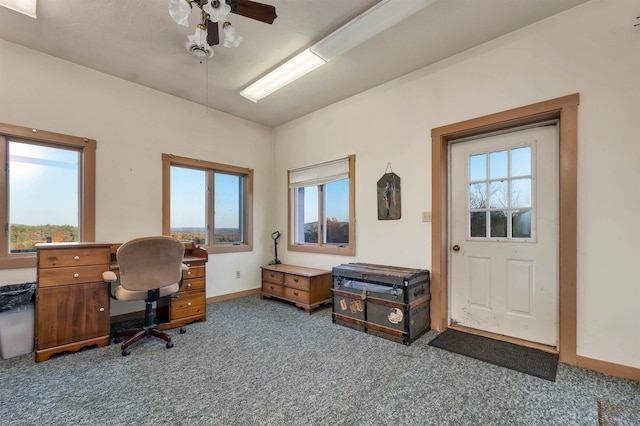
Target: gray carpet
{"type": "Point", "coordinates": [265, 362]}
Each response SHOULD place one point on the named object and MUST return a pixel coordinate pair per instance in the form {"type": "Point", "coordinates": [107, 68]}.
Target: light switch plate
{"type": "Point", "coordinates": [426, 216]}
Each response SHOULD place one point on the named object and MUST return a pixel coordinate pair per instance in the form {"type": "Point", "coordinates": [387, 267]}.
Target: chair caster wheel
{"type": "Point", "coordinates": [183, 330]}
{"type": "Point", "coordinates": [118, 339]}
{"type": "Point", "coordinates": [126, 352]}
{"type": "Point", "coordinates": [169, 345]}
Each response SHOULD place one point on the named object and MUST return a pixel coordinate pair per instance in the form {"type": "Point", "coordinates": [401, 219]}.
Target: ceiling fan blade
{"type": "Point", "coordinates": [260, 12]}
{"type": "Point", "coordinates": [213, 37]}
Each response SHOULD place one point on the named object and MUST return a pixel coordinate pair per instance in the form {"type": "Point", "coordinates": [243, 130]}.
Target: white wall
{"type": "Point", "coordinates": [593, 50]}
{"type": "Point", "coordinates": [133, 126]}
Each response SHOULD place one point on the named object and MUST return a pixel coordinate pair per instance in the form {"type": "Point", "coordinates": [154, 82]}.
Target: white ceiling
{"type": "Point", "coordinates": [138, 41]}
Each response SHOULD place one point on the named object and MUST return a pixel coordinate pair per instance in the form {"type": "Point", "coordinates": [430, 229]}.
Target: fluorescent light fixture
{"type": "Point", "coordinates": [372, 22]}
{"type": "Point", "coordinates": [293, 69]}
{"type": "Point", "coordinates": [26, 7]}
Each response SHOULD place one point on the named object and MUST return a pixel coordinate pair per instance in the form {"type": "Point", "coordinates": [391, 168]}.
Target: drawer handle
{"type": "Point", "coordinates": [76, 257]}
{"type": "Point", "coordinates": [295, 293]}
{"type": "Point", "coordinates": [295, 280]}
{"type": "Point", "coordinates": [76, 275]}
{"type": "Point", "coordinates": [272, 275]}
{"type": "Point", "coordinates": [101, 309]}
{"type": "Point", "coordinates": [189, 273]}
{"type": "Point", "coordinates": [188, 303]}
{"type": "Point", "coordinates": [189, 285]}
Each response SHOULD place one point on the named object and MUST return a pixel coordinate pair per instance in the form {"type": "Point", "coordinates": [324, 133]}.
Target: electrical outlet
{"type": "Point", "coordinates": [237, 274]}
{"type": "Point", "coordinates": [426, 216]}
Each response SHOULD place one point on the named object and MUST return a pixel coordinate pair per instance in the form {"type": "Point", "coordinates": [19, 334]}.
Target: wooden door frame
{"type": "Point", "coordinates": [565, 110]}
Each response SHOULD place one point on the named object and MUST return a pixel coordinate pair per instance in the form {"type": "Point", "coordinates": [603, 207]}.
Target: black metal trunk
{"type": "Point", "coordinates": [386, 301]}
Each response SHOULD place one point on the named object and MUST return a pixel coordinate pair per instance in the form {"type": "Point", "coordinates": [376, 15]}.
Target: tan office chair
{"type": "Point", "coordinates": [150, 268]}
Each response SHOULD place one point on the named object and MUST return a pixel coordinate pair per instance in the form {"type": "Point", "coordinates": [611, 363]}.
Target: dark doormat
{"type": "Point", "coordinates": [519, 358]}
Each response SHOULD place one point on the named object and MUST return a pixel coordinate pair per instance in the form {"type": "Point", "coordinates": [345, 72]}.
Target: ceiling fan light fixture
{"type": "Point", "coordinates": [231, 37]}
{"type": "Point", "coordinates": [197, 44]}
{"type": "Point", "coordinates": [293, 69]}
{"type": "Point", "coordinates": [180, 11]}
{"type": "Point", "coordinates": [217, 10]}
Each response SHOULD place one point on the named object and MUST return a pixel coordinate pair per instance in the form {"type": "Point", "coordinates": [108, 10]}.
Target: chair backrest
{"type": "Point", "coordinates": [150, 262]}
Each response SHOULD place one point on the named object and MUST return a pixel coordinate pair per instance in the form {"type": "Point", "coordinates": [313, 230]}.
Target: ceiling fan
{"type": "Point", "coordinates": [213, 12]}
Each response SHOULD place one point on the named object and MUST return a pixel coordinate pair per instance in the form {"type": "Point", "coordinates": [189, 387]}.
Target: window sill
{"type": "Point", "coordinates": [18, 262]}
{"type": "Point", "coordinates": [349, 250]}
{"type": "Point", "coordinates": [228, 248]}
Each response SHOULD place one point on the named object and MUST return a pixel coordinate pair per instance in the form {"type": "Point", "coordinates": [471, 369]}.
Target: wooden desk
{"type": "Point", "coordinates": [72, 300]}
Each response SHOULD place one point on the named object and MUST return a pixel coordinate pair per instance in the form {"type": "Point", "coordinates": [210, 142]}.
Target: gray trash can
{"type": "Point", "coordinates": [17, 319]}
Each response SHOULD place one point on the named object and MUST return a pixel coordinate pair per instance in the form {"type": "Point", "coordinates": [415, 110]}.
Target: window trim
{"type": "Point", "coordinates": [87, 186]}
{"type": "Point", "coordinates": [348, 250]}
{"type": "Point", "coordinates": [169, 160]}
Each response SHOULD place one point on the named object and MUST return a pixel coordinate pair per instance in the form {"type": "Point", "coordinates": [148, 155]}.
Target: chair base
{"type": "Point", "coordinates": [136, 334]}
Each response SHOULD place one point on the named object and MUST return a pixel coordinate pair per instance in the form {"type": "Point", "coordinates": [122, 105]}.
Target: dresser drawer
{"type": "Point", "coordinates": [296, 294]}
{"type": "Point", "coordinates": [73, 257]}
{"type": "Point", "coordinates": [194, 272]}
{"type": "Point", "coordinates": [188, 304]}
{"type": "Point", "coordinates": [296, 281]}
{"type": "Point", "coordinates": [73, 275]}
{"type": "Point", "coordinates": [271, 288]}
{"type": "Point", "coordinates": [193, 284]}
{"type": "Point", "coordinates": [273, 276]}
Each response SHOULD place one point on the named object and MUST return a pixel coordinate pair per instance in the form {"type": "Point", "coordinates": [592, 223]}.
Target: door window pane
{"type": "Point", "coordinates": [188, 204]}
{"type": "Point", "coordinates": [498, 224]}
{"type": "Point", "coordinates": [521, 161]}
{"type": "Point", "coordinates": [478, 195]}
{"type": "Point", "coordinates": [478, 224]}
{"type": "Point", "coordinates": [336, 204]}
{"type": "Point", "coordinates": [498, 195]}
{"type": "Point", "coordinates": [227, 208]}
{"type": "Point", "coordinates": [44, 200]}
{"type": "Point", "coordinates": [521, 193]}
{"type": "Point", "coordinates": [498, 165]}
{"type": "Point", "coordinates": [478, 167]}
{"type": "Point", "coordinates": [521, 224]}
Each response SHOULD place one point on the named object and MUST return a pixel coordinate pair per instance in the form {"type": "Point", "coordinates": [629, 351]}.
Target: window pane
{"type": "Point", "coordinates": [308, 210]}
{"type": "Point", "coordinates": [478, 167]}
{"type": "Point", "coordinates": [521, 224]}
{"type": "Point", "coordinates": [478, 195]}
{"type": "Point", "coordinates": [478, 224]}
{"type": "Point", "coordinates": [521, 193]}
{"type": "Point", "coordinates": [336, 204]}
{"type": "Point", "coordinates": [498, 224]}
{"type": "Point", "coordinates": [498, 165]}
{"type": "Point", "coordinates": [44, 201]}
{"type": "Point", "coordinates": [521, 161]}
{"type": "Point", "coordinates": [227, 208]}
{"type": "Point", "coordinates": [498, 195]}
{"type": "Point", "coordinates": [188, 204]}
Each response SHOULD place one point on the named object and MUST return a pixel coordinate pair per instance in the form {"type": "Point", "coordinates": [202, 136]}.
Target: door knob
{"type": "Point", "coordinates": [456, 248]}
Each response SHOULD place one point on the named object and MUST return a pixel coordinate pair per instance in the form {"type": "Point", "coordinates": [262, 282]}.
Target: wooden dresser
{"type": "Point", "coordinates": [191, 303]}
{"type": "Point", "coordinates": [72, 300]}
{"type": "Point", "coordinates": [308, 288]}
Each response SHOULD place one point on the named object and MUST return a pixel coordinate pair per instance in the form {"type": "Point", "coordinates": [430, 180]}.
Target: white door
{"type": "Point", "coordinates": [504, 234]}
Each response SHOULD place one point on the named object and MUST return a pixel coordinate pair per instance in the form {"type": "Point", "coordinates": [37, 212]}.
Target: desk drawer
{"type": "Point", "coordinates": [194, 272]}
{"type": "Point", "coordinates": [188, 304]}
{"type": "Point", "coordinates": [272, 277]}
{"type": "Point", "coordinates": [193, 284]}
{"type": "Point", "coordinates": [73, 257]}
{"type": "Point", "coordinates": [297, 295]}
{"type": "Point", "coordinates": [74, 275]}
{"type": "Point", "coordinates": [272, 288]}
{"type": "Point", "coordinates": [296, 281]}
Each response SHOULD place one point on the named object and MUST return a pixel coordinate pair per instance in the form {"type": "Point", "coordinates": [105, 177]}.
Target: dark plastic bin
{"type": "Point", "coordinates": [16, 295]}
